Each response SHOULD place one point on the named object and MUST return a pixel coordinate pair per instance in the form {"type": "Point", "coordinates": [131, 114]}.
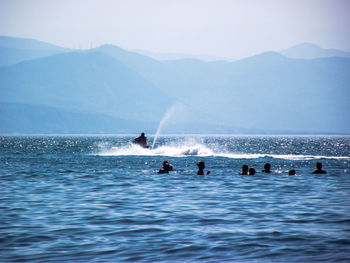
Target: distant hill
{"type": "Point", "coordinates": [29, 44]}
{"type": "Point", "coordinates": [178, 56]}
{"type": "Point", "coordinates": [17, 118]}
{"type": "Point", "coordinates": [11, 56]}
{"type": "Point", "coordinates": [273, 92]}
{"type": "Point", "coordinates": [85, 81]}
{"type": "Point", "coordinates": [311, 51]}
{"type": "Point", "coordinates": [145, 66]}
{"type": "Point", "coordinates": [32, 119]}
{"type": "Point", "coordinates": [269, 92]}
{"type": "Point", "coordinates": [15, 50]}
{"type": "Point", "coordinates": [266, 93]}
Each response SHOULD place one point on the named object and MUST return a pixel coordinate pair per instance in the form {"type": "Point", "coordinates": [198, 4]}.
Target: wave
{"type": "Point", "coordinates": [200, 150]}
{"type": "Point", "coordinates": [172, 151]}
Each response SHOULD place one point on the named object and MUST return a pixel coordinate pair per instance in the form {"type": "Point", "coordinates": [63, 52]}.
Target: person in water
{"type": "Point", "coordinates": [166, 168]}
{"type": "Point", "coordinates": [267, 168]}
{"type": "Point", "coordinates": [319, 169]}
{"type": "Point", "coordinates": [141, 140]}
{"type": "Point", "coordinates": [244, 170]}
{"type": "Point", "coordinates": [291, 172]}
{"type": "Point", "coordinates": [201, 166]}
{"type": "Point", "coordinates": [251, 171]}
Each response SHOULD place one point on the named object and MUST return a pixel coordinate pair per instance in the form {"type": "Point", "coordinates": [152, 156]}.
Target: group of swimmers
{"type": "Point", "coordinates": [267, 169]}
{"type": "Point", "coordinates": [168, 167]}
{"type": "Point", "coordinates": [245, 169]}
{"type": "Point", "coordinates": [142, 141]}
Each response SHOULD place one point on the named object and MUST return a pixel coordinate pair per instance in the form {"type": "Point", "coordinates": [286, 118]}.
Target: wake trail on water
{"type": "Point", "coordinates": [200, 150]}
{"type": "Point", "coordinates": [172, 151]}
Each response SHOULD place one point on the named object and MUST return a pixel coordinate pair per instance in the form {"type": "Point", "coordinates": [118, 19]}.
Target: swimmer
{"type": "Point", "coordinates": [267, 168]}
{"type": "Point", "coordinates": [201, 166]}
{"type": "Point", "coordinates": [251, 171]}
{"type": "Point", "coordinates": [166, 168]}
{"type": "Point", "coordinates": [319, 169]}
{"type": "Point", "coordinates": [244, 170]}
{"type": "Point", "coordinates": [291, 172]}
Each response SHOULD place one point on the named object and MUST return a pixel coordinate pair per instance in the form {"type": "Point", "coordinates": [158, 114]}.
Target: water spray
{"type": "Point", "coordinates": [168, 114]}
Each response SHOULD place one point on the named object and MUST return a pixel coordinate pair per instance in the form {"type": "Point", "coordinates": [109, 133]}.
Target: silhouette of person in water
{"type": "Point", "coordinates": [291, 172]}
{"type": "Point", "coordinates": [141, 140]}
{"type": "Point", "coordinates": [244, 170]}
{"type": "Point", "coordinates": [319, 169]}
{"type": "Point", "coordinates": [166, 168]}
{"type": "Point", "coordinates": [267, 168]}
{"type": "Point", "coordinates": [201, 166]}
{"type": "Point", "coordinates": [251, 171]}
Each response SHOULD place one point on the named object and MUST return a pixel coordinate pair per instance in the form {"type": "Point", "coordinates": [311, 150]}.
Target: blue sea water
{"type": "Point", "coordinates": [99, 198]}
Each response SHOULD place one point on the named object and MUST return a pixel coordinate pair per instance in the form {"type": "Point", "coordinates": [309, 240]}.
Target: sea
{"type": "Point", "coordinates": [84, 198]}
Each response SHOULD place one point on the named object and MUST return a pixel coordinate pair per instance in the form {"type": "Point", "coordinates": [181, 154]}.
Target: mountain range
{"type": "Point", "coordinates": [48, 89]}
{"type": "Point", "coordinates": [15, 50]}
{"type": "Point", "coordinates": [177, 56]}
{"type": "Point", "coordinates": [311, 51]}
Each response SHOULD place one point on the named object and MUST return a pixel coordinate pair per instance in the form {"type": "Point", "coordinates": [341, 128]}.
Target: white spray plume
{"type": "Point", "coordinates": [168, 114]}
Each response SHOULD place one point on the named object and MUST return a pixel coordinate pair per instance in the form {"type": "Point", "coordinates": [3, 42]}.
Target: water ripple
{"type": "Point", "coordinates": [62, 200]}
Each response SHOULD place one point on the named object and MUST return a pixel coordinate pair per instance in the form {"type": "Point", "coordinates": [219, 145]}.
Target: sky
{"type": "Point", "coordinates": [223, 28]}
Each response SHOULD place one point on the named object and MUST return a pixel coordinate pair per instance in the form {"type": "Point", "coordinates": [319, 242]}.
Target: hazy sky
{"type": "Point", "coordinates": [225, 28]}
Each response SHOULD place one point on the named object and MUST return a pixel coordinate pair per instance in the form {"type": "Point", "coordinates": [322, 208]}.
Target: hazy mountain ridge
{"type": "Point", "coordinates": [87, 81]}
{"type": "Point", "coordinates": [179, 56]}
{"type": "Point", "coordinates": [11, 56]}
{"type": "Point", "coordinates": [29, 44]}
{"type": "Point", "coordinates": [31, 119]}
{"type": "Point", "coordinates": [311, 51]}
{"type": "Point", "coordinates": [16, 50]}
{"type": "Point", "coordinates": [18, 118]}
{"type": "Point", "coordinates": [274, 92]}
{"type": "Point", "coordinates": [268, 92]}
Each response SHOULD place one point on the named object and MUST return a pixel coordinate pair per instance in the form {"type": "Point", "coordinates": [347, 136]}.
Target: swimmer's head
{"type": "Point", "coordinates": [267, 166]}
{"type": "Point", "coordinates": [251, 171]}
{"type": "Point", "coordinates": [201, 165]}
{"type": "Point", "coordinates": [291, 172]}
{"type": "Point", "coordinates": [319, 165]}
{"type": "Point", "coordinates": [245, 168]}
